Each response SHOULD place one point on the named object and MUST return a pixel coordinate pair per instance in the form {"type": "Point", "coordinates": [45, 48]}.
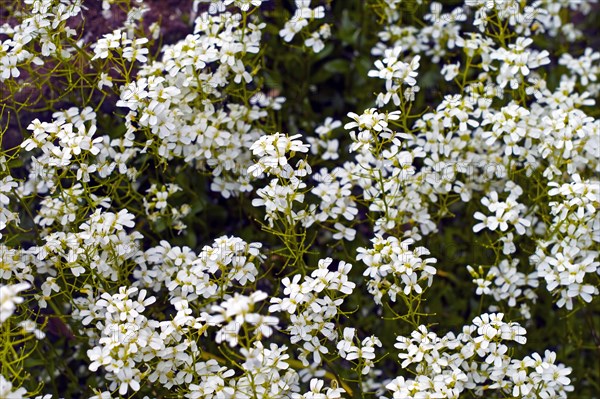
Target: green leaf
{"type": "Point", "coordinates": [339, 65]}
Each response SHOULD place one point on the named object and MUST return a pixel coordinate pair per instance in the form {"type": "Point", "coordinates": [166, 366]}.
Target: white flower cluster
{"type": "Point", "coordinates": [313, 305]}
{"type": "Point", "coordinates": [272, 151]}
{"type": "Point", "coordinates": [325, 141]}
{"type": "Point", "coordinates": [571, 252]}
{"type": "Point", "coordinates": [177, 101]}
{"type": "Point", "coordinates": [365, 351]}
{"type": "Point", "coordinates": [316, 386]}
{"type": "Point", "coordinates": [471, 147]}
{"type": "Point", "coordinates": [395, 73]}
{"type": "Point", "coordinates": [506, 283]}
{"type": "Point", "coordinates": [9, 299]}
{"type": "Point", "coordinates": [126, 336]}
{"type": "Point", "coordinates": [394, 268]}
{"type": "Point", "coordinates": [585, 66]}
{"type": "Point", "coordinates": [517, 62]}
{"type": "Point", "coordinates": [124, 339]}
{"type": "Point", "coordinates": [230, 261]}
{"type": "Point", "coordinates": [71, 142]}
{"type": "Point", "coordinates": [44, 26]}
{"type": "Point", "coordinates": [237, 310]}
{"type": "Point", "coordinates": [101, 245]}
{"type": "Point", "coordinates": [106, 7]}
{"type": "Point", "coordinates": [539, 17]}
{"type": "Point", "coordinates": [505, 212]}
{"type": "Point", "coordinates": [477, 360]}
{"type": "Point", "coordinates": [382, 171]}
{"type": "Point", "coordinates": [507, 159]}
{"type": "Point", "coordinates": [69, 132]}
{"type": "Point", "coordinates": [301, 19]}
{"type": "Point", "coordinates": [7, 185]}
{"type": "Point", "coordinates": [118, 41]}
{"type": "Point", "coordinates": [157, 206]}
{"type": "Point", "coordinates": [267, 375]}
{"type": "Point", "coordinates": [284, 189]}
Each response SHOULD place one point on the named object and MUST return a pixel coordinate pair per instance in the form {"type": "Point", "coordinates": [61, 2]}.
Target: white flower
{"type": "Point", "coordinates": [315, 347]}
{"type": "Point", "coordinates": [6, 390]}
{"type": "Point", "coordinates": [129, 379]}
{"type": "Point", "coordinates": [316, 385]}
{"type": "Point", "coordinates": [346, 344]}
{"type": "Point", "coordinates": [243, 5]}
{"type": "Point", "coordinates": [315, 42]}
{"type": "Point", "coordinates": [291, 28]}
{"type": "Point", "coordinates": [9, 299]}
{"type": "Point", "coordinates": [343, 232]}
{"type": "Point", "coordinates": [450, 71]}
{"type": "Point", "coordinates": [105, 80]}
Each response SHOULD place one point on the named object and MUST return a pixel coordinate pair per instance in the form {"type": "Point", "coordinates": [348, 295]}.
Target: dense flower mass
{"type": "Point", "coordinates": [300, 199]}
